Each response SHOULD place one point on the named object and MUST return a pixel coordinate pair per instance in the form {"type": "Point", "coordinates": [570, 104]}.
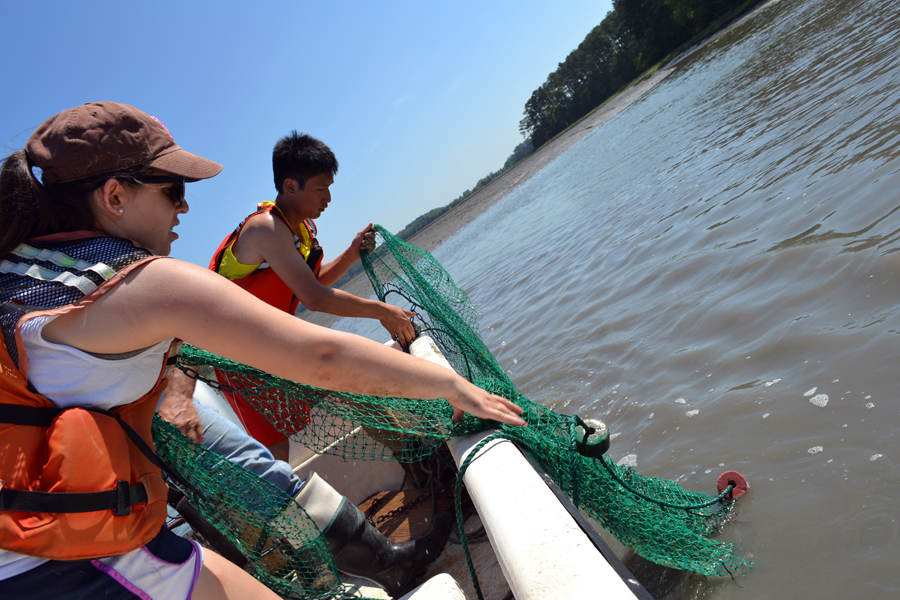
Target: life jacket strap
{"type": "Point", "coordinates": [120, 500]}
{"type": "Point", "coordinates": [17, 414]}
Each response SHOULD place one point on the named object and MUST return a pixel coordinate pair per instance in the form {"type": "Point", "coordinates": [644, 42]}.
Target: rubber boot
{"type": "Point", "coordinates": [361, 550]}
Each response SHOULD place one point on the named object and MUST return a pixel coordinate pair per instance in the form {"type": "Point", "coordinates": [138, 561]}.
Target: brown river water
{"type": "Point", "coordinates": [714, 272]}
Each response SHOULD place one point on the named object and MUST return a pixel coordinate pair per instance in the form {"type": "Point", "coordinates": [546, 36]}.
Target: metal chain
{"type": "Point", "coordinates": [400, 509]}
{"type": "Point", "coordinates": [374, 508]}
{"type": "Point", "coordinates": [224, 387]}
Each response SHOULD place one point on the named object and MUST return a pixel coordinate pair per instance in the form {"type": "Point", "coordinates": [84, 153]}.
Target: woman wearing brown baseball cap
{"type": "Point", "coordinates": [92, 315]}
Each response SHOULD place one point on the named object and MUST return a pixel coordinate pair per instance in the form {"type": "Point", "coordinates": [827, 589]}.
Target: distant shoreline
{"type": "Point", "coordinates": [454, 220]}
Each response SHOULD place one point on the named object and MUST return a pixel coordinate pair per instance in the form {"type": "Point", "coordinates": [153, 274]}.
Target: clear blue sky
{"type": "Point", "coordinates": [418, 100]}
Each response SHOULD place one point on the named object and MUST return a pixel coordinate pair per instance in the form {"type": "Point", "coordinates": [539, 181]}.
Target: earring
{"type": "Point", "coordinates": [121, 211]}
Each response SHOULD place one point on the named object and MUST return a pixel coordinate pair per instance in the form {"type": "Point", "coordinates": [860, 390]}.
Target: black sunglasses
{"type": "Point", "coordinates": [175, 192]}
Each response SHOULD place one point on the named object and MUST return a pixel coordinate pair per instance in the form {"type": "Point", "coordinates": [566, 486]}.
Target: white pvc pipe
{"type": "Point", "coordinates": [543, 553]}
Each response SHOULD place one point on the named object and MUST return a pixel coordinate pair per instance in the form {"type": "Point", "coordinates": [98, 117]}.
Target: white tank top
{"type": "Point", "coordinates": [70, 377]}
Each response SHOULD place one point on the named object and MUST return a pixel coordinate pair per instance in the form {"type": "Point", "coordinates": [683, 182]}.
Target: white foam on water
{"type": "Point", "coordinates": [681, 401]}
{"type": "Point", "coordinates": [875, 457]}
{"type": "Point", "coordinates": [816, 449]}
{"type": "Point", "coordinates": [766, 416]}
{"type": "Point", "coordinates": [870, 405]}
{"type": "Point", "coordinates": [810, 392]}
{"type": "Point", "coordinates": [773, 382]}
{"type": "Point", "coordinates": [615, 435]}
{"type": "Point", "coordinates": [651, 415]}
{"type": "Point", "coordinates": [867, 397]}
{"type": "Point", "coordinates": [819, 400]}
{"type": "Point", "coordinates": [692, 413]}
{"type": "Point", "coordinates": [629, 460]}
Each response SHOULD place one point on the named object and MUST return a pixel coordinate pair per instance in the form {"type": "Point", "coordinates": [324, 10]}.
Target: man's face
{"type": "Point", "coordinates": [313, 199]}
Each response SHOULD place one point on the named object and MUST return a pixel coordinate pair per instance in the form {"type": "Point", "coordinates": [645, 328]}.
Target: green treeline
{"type": "Point", "coordinates": [633, 36]}
{"type": "Point", "coordinates": [520, 152]}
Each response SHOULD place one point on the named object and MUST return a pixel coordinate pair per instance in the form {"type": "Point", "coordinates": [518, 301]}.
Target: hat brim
{"type": "Point", "coordinates": [190, 166]}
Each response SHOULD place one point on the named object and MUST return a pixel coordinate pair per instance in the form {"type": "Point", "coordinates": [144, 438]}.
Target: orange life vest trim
{"type": "Point", "coordinates": [81, 451]}
{"type": "Point", "coordinates": [264, 283]}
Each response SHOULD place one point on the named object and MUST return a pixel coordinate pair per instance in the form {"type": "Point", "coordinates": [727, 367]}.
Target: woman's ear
{"type": "Point", "coordinates": [110, 199]}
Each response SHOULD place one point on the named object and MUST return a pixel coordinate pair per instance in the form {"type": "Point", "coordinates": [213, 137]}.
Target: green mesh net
{"type": "Point", "coordinates": [284, 547]}
{"type": "Point", "coordinates": [658, 519]}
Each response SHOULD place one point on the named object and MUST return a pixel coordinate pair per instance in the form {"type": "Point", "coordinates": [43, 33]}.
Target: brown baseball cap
{"type": "Point", "coordinates": [104, 137]}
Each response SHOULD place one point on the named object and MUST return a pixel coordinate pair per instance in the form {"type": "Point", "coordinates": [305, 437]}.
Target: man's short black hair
{"type": "Point", "coordinates": [299, 157]}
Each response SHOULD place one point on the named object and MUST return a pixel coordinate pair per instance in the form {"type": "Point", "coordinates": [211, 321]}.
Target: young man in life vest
{"type": "Point", "coordinates": [274, 255]}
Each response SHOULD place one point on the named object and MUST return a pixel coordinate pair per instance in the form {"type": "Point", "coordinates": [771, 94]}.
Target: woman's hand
{"type": "Point", "coordinates": [479, 403]}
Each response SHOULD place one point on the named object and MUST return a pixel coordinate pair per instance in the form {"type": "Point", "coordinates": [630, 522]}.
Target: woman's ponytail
{"type": "Point", "coordinates": [28, 209]}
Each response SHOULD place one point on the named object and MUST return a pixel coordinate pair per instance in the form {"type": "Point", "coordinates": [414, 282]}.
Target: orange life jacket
{"type": "Point", "coordinates": [74, 483]}
{"type": "Point", "coordinates": [264, 283]}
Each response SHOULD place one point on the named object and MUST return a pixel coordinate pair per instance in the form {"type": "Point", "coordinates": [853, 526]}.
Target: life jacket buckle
{"type": "Point", "coordinates": [123, 499]}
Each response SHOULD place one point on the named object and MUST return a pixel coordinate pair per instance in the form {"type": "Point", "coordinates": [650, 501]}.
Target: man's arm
{"type": "Point", "coordinates": [268, 239]}
{"type": "Point", "coordinates": [333, 270]}
{"type": "Point", "coordinates": [178, 406]}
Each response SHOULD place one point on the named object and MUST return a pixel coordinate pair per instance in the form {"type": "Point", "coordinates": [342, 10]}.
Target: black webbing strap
{"type": "Point", "coordinates": [16, 414]}
{"type": "Point", "coordinates": [119, 500]}
{"type": "Point", "coordinates": [178, 500]}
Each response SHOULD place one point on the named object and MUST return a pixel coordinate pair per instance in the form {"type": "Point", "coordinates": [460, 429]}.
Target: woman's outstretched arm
{"type": "Point", "coordinates": [170, 298]}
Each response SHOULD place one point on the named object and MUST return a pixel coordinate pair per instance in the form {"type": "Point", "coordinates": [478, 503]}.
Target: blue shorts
{"type": "Point", "coordinates": [166, 568]}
